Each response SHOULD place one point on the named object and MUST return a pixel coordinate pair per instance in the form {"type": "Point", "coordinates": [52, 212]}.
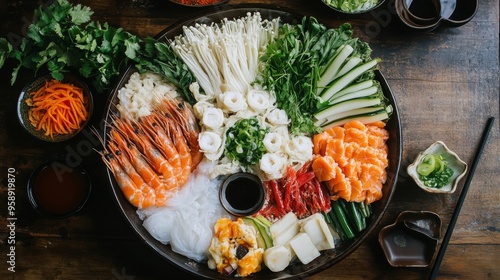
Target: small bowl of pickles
{"type": "Point", "coordinates": [437, 169]}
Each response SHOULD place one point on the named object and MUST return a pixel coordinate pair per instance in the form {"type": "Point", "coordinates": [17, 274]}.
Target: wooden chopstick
{"type": "Point", "coordinates": [458, 207]}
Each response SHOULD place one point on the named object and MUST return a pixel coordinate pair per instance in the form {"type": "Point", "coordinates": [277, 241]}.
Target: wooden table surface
{"type": "Point", "coordinates": [446, 85]}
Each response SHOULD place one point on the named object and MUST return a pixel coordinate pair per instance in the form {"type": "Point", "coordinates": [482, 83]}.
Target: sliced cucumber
{"type": "Point", "coordinates": [341, 82]}
{"type": "Point", "coordinates": [355, 112]}
{"type": "Point", "coordinates": [356, 94]}
{"type": "Point", "coordinates": [334, 66]}
{"type": "Point", "coordinates": [353, 88]}
{"type": "Point", "coordinates": [365, 118]}
{"type": "Point", "coordinates": [348, 66]}
{"type": "Point", "coordinates": [263, 220]}
{"type": "Point", "coordinates": [348, 105]}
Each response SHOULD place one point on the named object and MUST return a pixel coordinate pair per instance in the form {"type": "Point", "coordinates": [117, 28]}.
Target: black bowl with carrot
{"type": "Point", "coordinates": [55, 110]}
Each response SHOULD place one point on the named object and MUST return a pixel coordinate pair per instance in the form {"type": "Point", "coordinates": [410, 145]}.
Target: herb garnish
{"type": "Point", "coordinates": [244, 142]}
{"type": "Point", "coordinates": [63, 37]}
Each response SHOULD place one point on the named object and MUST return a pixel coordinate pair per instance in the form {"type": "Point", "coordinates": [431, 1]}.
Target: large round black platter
{"type": "Point", "coordinates": [296, 269]}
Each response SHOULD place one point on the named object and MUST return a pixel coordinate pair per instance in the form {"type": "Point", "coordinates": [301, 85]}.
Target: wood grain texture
{"type": "Point", "coordinates": [446, 84]}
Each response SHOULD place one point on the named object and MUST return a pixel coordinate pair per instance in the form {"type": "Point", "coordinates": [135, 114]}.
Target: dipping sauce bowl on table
{"type": "Point", "coordinates": [426, 15]}
{"type": "Point", "coordinates": [57, 190]}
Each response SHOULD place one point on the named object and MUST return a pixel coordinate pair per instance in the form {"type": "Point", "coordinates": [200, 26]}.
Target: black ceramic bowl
{"type": "Point", "coordinates": [452, 13]}
{"type": "Point", "coordinates": [242, 194]}
{"type": "Point", "coordinates": [296, 270]}
{"type": "Point", "coordinates": [57, 190]}
{"type": "Point", "coordinates": [37, 83]}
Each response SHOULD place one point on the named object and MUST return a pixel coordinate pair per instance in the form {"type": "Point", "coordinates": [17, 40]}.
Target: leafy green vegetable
{"type": "Point", "coordinates": [159, 57]}
{"type": "Point", "coordinates": [5, 50]}
{"type": "Point", "coordinates": [245, 142]}
{"type": "Point", "coordinates": [293, 63]}
{"type": "Point", "coordinates": [62, 37]}
{"type": "Point", "coordinates": [352, 6]}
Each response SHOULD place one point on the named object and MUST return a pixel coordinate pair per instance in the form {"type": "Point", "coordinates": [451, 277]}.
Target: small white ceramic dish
{"type": "Point", "coordinates": [458, 166]}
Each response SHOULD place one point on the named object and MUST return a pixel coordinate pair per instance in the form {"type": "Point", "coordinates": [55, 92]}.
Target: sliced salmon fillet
{"type": "Point", "coordinates": [336, 132]}
{"type": "Point", "coordinates": [356, 135]}
{"type": "Point", "coordinates": [324, 168]}
{"type": "Point", "coordinates": [319, 143]}
{"type": "Point", "coordinates": [357, 155]}
{"type": "Point", "coordinates": [335, 149]}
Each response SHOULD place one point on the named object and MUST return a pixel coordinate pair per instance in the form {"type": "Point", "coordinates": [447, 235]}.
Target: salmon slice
{"type": "Point", "coordinates": [371, 156]}
{"type": "Point", "coordinates": [336, 132]}
{"type": "Point", "coordinates": [335, 149]}
{"type": "Point", "coordinates": [339, 176]}
{"type": "Point", "coordinates": [374, 193]}
{"type": "Point", "coordinates": [344, 189]}
{"type": "Point", "coordinates": [378, 132]}
{"type": "Point", "coordinates": [356, 190]}
{"type": "Point", "coordinates": [352, 160]}
{"type": "Point", "coordinates": [378, 124]}
{"type": "Point", "coordinates": [352, 169]}
{"type": "Point", "coordinates": [375, 141]}
{"type": "Point", "coordinates": [324, 168]}
{"type": "Point", "coordinates": [357, 125]}
{"type": "Point", "coordinates": [319, 143]}
{"type": "Point", "coordinates": [356, 135]}
{"type": "Point", "coordinates": [371, 174]}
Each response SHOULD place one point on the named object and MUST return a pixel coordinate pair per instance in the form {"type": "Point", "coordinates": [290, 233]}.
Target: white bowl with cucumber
{"type": "Point", "coordinates": [437, 169]}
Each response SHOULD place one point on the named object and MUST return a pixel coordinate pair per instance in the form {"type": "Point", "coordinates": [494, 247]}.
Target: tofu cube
{"type": "Point", "coordinates": [283, 224]}
{"type": "Point", "coordinates": [286, 235]}
{"type": "Point", "coordinates": [317, 229]}
{"type": "Point", "coordinates": [304, 248]}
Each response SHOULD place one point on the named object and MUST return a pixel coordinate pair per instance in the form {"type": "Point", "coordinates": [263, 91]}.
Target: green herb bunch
{"type": "Point", "coordinates": [63, 37]}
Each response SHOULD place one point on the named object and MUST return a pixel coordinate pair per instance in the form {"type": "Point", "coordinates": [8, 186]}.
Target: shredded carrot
{"type": "Point", "coordinates": [57, 108]}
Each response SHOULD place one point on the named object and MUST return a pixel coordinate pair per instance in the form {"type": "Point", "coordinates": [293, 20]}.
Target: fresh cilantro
{"type": "Point", "coordinates": [5, 50]}
{"type": "Point", "coordinates": [63, 37]}
{"type": "Point", "coordinates": [80, 14]}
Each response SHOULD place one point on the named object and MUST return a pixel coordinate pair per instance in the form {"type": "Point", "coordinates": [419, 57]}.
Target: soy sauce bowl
{"type": "Point", "coordinates": [430, 12]}
{"type": "Point", "coordinates": [242, 194]}
{"type": "Point", "coordinates": [57, 190]}
{"type": "Point", "coordinates": [462, 13]}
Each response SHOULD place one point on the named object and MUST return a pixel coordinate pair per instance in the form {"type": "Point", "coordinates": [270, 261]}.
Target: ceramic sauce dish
{"type": "Point", "coordinates": [412, 240]}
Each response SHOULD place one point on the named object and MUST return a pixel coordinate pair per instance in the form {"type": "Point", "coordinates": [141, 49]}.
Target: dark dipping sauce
{"type": "Point", "coordinates": [426, 9]}
{"type": "Point", "coordinates": [57, 190]}
{"type": "Point", "coordinates": [242, 194]}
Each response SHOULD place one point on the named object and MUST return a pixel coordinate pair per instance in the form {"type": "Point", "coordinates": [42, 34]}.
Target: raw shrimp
{"type": "Point", "coordinates": [183, 150]}
{"type": "Point", "coordinates": [142, 167]}
{"type": "Point", "coordinates": [159, 135]}
{"type": "Point", "coordinates": [153, 155]}
{"type": "Point", "coordinates": [179, 144]}
{"type": "Point", "coordinates": [130, 190]}
{"type": "Point", "coordinates": [137, 160]}
{"type": "Point", "coordinates": [186, 120]}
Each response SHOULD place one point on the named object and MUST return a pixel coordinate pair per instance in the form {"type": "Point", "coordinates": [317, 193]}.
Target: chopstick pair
{"type": "Point", "coordinates": [458, 207]}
